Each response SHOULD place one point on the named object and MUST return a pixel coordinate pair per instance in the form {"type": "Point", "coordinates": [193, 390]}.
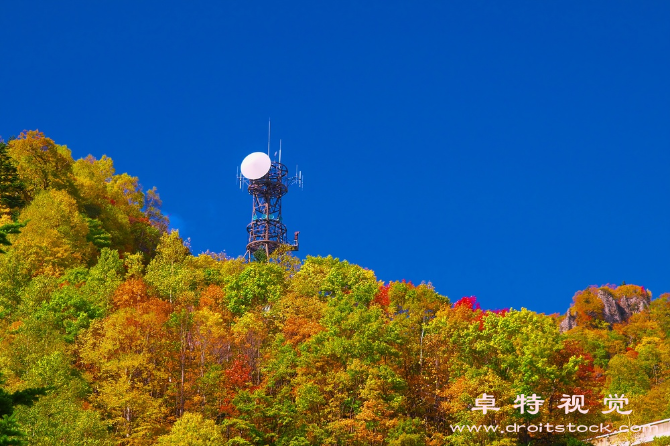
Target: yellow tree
{"type": "Point", "coordinates": [211, 344]}
{"type": "Point", "coordinates": [92, 177]}
{"type": "Point", "coordinates": [193, 430]}
{"type": "Point", "coordinates": [55, 237]}
{"type": "Point", "coordinates": [41, 163]}
{"type": "Point", "coordinates": [117, 201]}
{"type": "Point", "coordinates": [124, 356]}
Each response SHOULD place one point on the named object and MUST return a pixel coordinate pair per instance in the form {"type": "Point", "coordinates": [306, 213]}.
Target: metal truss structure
{"type": "Point", "coordinates": [266, 231]}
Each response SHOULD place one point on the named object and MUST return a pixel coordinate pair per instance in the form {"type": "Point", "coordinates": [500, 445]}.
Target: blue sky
{"type": "Point", "coordinates": [517, 151]}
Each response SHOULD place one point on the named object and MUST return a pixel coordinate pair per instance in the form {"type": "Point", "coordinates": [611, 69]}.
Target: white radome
{"type": "Point", "coordinates": [255, 165]}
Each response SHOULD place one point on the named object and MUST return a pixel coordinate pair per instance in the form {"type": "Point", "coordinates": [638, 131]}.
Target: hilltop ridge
{"type": "Point", "coordinates": [609, 304]}
{"type": "Point", "coordinates": [134, 340]}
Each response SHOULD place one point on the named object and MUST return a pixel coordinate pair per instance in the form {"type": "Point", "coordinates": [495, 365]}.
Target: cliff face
{"type": "Point", "coordinates": [569, 322]}
{"type": "Point", "coordinates": [613, 310]}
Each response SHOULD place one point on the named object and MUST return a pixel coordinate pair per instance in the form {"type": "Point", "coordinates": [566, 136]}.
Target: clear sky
{"type": "Point", "coordinates": [517, 151]}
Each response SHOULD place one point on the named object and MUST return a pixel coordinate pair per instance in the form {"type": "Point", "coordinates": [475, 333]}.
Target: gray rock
{"type": "Point", "coordinates": [611, 311]}
{"type": "Point", "coordinates": [632, 305]}
{"type": "Point", "coordinates": [614, 311]}
{"type": "Point", "coordinates": [568, 323]}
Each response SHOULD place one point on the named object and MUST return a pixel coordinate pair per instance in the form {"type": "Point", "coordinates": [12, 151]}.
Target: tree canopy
{"type": "Point", "coordinates": [129, 338]}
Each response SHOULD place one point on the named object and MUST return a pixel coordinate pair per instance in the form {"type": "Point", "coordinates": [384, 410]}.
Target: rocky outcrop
{"type": "Point", "coordinates": [632, 305]}
{"type": "Point", "coordinates": [614, 310]}
{"type": "Point", "coordinates": [568, 323]}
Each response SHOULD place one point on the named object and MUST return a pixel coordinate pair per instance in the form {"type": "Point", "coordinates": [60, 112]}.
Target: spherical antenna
{"type": "Point", "coordinates": [255, 165]}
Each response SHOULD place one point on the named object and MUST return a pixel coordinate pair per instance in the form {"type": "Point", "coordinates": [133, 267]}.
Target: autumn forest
{"type": "Point", "coordinates": [115, 333]}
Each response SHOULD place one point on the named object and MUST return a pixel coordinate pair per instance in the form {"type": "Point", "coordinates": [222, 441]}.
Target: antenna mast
{"type": "Point", "coordinates": [267, 182]}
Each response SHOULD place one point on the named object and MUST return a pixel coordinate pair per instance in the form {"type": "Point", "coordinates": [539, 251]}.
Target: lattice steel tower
{"type": "Point", "coordinates": [268, 182]}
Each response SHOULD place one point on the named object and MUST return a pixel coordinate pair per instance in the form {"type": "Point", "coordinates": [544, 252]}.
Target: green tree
{"type": "Point", "coordinates": [258, 284]}
{"type": "Point", "coordinates": [12, 189]}
{"type": "Point", "coordinates": [10, 433]}
{"type": "Point", "coordinates": [63, 415]}
{"type": "Point", "coordinates": [168, 271]}
{"type": "Point", "coordinates": [627, 375]}
{"type": "Point", "coordinates": [97, 234]}
{"type": "Point", "coordinates": [5, 230]}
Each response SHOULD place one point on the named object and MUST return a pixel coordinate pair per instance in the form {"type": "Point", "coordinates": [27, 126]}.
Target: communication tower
{"type": "Point", "coordinates": [267, 182]}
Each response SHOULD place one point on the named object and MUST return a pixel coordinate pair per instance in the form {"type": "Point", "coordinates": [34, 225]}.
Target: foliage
{"type": "Point", "coordinates": [54, 237]}
{"type": "Point", "coordinates": [5, 230]}
{"type": "Point", "coordinates": [59, 417]}
{"type": "Point", "coordinates": [97, 234]}
{"type": "Point", "coordinates": [41, 164]}
{"type": "Point", "coordinates": [588, 308]}
{"type": "Point", "coordinates": [12, 189]}
{"type": "Point", "coordinates": [191, 429]}
{"type": "Point", "coordinates": [660, 441]}
{"type": "Point", "coordinates": [136, 341]}
{"type": "Point", "coordinates": [10, 431]}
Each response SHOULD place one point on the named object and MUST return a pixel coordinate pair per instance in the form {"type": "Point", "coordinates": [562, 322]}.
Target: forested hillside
{"type": "Point", "coordinates": [113, 332]}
